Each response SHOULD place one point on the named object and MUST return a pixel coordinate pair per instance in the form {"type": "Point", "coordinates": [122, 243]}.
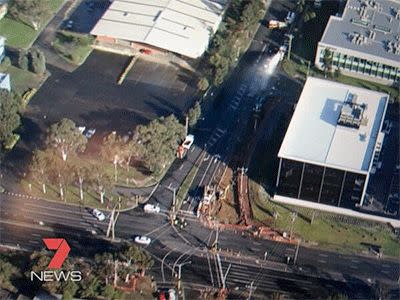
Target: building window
{"type": "Point", "coordinates": [311, 184]}
{"type": "Point", "coordinates": [331, 187]}
{"type": "Point", "coordinates": [352, 190]}
{"type": "Point", "coordinates": [289, 179]}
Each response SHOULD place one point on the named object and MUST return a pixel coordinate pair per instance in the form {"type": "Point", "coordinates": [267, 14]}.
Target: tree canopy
{"type": "Point", "coordinates": [66, 138]}
{"type": "Point", "coordinates": [29, 12]}
{"type": "Point", "coordinates": [9, 117]}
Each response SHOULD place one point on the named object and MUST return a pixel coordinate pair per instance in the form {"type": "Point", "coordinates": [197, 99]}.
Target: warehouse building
{"type": "Point", "coordinates": [329, 148]}
{"type": "Point", "coordinates": [180, 26]}
{"type": "Point", "coordinates": [364, 41]}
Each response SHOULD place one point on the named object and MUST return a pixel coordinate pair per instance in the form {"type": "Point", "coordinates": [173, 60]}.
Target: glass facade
{"type": "Point", "coordinates": [320, 184]}
{"type": "Point", "coordinates": [362, 66]}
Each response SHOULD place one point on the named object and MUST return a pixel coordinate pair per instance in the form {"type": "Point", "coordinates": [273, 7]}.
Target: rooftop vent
{"type": "Point", "coordinates": [393, 47]}
{"type": "Point", "coordinates": [351, 113]}
{"type": "Point", "coordinates": [359, 39]}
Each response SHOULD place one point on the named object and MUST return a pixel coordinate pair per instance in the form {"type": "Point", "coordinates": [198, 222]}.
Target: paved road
{"type": "Point", "coordinates": [20, 219]}
{"type": "Point", "coordinates": [315, 271]}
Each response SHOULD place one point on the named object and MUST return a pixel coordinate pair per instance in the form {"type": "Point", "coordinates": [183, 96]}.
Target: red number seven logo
{"type": "Point", "coordinates": [62, 249]}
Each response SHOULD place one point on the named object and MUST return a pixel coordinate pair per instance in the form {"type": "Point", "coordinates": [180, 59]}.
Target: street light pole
{"type": "Point", "coordinates": [290, 36]}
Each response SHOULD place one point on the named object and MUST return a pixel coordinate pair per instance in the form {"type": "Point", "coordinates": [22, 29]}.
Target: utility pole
{"type": "Point", "coordinates": [252, 288]}
{"type": "Point", "coordinates": [293, 216]}
{"type": "Point", "coordinates": [290, 36]}
{"type": "Point", "coordinates": [186, 125]}
{"type": "Point", "coordinates": [215, 244]}
{"type": "Point", "coordinates": [308, 68]}
{"type": "Point", "coordinates": [173, 208]}
{"type": "Point", "coordinates": [113, 220]}
{"type": "Point", "coordinates": [180, 273]}
{"type": "Point", "coordinates": [297, 252]}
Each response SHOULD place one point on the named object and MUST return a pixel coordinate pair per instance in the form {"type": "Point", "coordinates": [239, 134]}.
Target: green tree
{"type": "Point", "coordinates": [38, 61]}
{"type": "Point", "coordinates": [194, 114]}
{"type": "Point", "coordinates": [327, 61]}
{"type": "Point", "coordinates": [23, 61]}
{"type": "Point", "coordinates": [39, 167]}
{"type": "Point", "coordinates": [90, 286]}
{"type": "Point", "coordinates": [105, 267]}
{"type": "Point", "coordinates": [9, 117]}
{"type": "Point", "coordinates": [61, 173]}
{"type": "Point", "coordinates": [39, 260]}
{"type": "Point", "coordinates": [110, 293]}
{"type": "Point", "coordinates": [69, 290]}
{"type": "Point", "coordinates": [82, 174]}
{"type": "Point", "coordinates": [102, 181]}
{"type": "Point", "coordinates": [65, 137]}
{"type": "Point", "coordinates": [202, 84]}
{"type": "Point", "coordinates": [112, 150]}
{"type": "Point", "coordinates": [30, 12]}
{"type": "Point", "coordinates": [160, 139]}
{"type": "Point", "coordinates": [137, 257]}
{"type": "Point", "coordinates": [8, 273]}
{"type": "Point", "coordinates": [132, 149]}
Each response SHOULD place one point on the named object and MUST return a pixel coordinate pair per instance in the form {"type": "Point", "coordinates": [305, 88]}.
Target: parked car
{"type": "Point", "coordinates": [98, 214]}
{"type": "Point", "coordinates": [145, 51]}
{"type": "Point", "coordinates": [69, 25]}
{"type": "Point", "coordinates": [90, 132]}
{"type": "Point", "coordinates": [290, 17]}
{"type": "Point", "coordinates": [151, 208]}
{"type": "Point", "coordinates": [143, 240]}
{"type": "Point", "coordinates": [2, 190]}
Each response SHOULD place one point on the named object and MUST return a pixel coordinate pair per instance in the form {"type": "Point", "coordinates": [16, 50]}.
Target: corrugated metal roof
{"type": "Point", "coordinates": [181, 26]}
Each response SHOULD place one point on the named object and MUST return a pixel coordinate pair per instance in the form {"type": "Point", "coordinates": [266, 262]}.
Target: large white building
{"type": "Point", "coordinates": [329, 148]}
{"type": "Point", "coordinates": [365, 40]}
{"type": "Point", "coordinates": [180, 26]}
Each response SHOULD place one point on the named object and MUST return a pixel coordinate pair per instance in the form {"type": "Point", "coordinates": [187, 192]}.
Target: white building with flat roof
{"type": "Point", "coordinates": [180, 26]}
{"type": "Point", "coordinates": [330, 145]}
{"type": "Point", "coordinates": [364, 41]}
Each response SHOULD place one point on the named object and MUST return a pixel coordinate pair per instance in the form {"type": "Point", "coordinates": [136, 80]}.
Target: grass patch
{"type": "Point", "coordinates": [184, 189]}
{"type": "Point", "coordinates": [73, 47]}
{"type": "Point", "coordinates": [19, 35]}
{"type": "Point", "coordinates": [328, 231]}
{"type": "Point", "coordinates": [22, 80]}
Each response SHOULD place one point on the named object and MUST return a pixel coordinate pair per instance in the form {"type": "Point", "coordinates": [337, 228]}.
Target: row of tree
{"type": "Point", "coordinates": [62, 164]}
{"type": "Point", "coordinates": [224, 49]}
{"type": "Point", "coordinates": [10, 105]}
{"type": "Point", "coordinates": [100, 277]}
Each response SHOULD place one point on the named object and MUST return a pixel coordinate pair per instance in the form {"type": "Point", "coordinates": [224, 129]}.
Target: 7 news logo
{"type": "Point", "coordinates": [62, 250]}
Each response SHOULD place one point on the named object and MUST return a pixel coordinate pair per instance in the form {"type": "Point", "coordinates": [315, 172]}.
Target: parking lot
{"type": "Point", "coordinates": [86, 15]}
{"type": "Point", "coordinates": [91, 97]}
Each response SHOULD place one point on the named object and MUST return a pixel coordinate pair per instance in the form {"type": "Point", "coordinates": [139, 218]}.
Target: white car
{"type": "Point", "coordinates": [98, 214]}
{"type": "Point", "coordinates": [144, 240]}
{"type": "Point", "coordinates": [188, 142]}
{"type": "Point", "coordinates": [150, 208]}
